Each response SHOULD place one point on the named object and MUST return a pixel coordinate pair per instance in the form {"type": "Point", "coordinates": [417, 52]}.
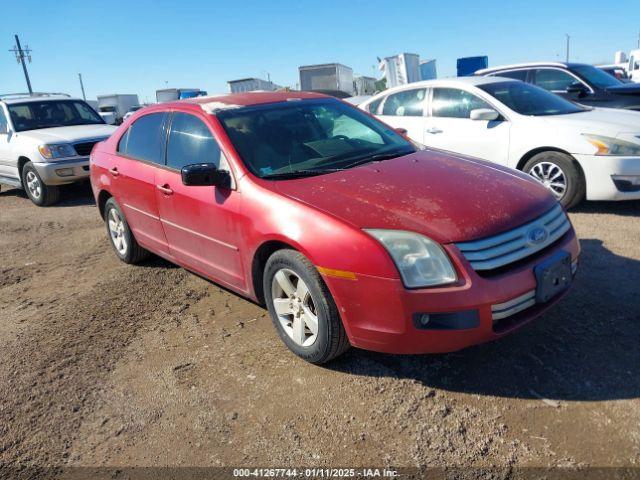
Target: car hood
{"type": "Point", "coordinates": [445, 197]}
{"type": "Point", "coordinates": [600, 121]}
{"type": "Point", "coordinates": [625, 89]}
{"type": "Point", "coordinates": [72, 134]}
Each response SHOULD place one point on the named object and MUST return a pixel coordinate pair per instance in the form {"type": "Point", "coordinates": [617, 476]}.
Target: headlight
{"type": "Point", "coordinates": [61, 150]}
{"type": "Point", "coordinates": [612, 146]}
{"type": "Point", "coordinates": [420, 261]}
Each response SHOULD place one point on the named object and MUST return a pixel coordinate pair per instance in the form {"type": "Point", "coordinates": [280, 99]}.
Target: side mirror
{"type": "Point", "coordinates": [205, 175]}
{"type": "Point", "coordinates": [577, 87]}
{"type": "Point", "coordinates": [401, 131]}
{"type": "Point", "coordinates": [487, 114]}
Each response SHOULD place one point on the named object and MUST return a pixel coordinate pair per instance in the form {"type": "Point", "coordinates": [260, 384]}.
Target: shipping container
{"type": "Point", "coordinates": [328, 76]}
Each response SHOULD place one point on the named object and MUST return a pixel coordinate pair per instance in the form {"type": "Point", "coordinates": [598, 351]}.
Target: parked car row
{"type": "Point", "coordinates": [342, 224]}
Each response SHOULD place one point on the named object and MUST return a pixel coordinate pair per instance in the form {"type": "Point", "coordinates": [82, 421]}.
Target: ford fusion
{"type": "Point", "coordinates": [348, 233]}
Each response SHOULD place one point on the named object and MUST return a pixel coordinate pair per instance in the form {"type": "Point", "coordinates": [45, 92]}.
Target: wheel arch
{"type": "Point", "coordinates": [103, 196]}
{"type": "Point", "coordinates": [22, 161]}
{"type": "Point", "coordinates": [532, 153]}
{"type": "Point", "coordinates": [259, 262]}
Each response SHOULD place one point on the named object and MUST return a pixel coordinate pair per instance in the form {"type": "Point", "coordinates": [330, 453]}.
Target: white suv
{"type": "Point", "coordinates": [45, 142]}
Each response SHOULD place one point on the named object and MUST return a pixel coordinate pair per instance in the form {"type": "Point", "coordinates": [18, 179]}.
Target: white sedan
{"type": "Point", "coordinates": [575, 151]}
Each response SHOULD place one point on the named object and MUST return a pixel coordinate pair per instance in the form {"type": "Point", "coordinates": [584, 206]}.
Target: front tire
{"type": "Point", "coordinates": [122, 240]}
{"type": "Point", "coordinates": [560, 174]}
{"type": "Point", "coordinates": [302, 309]}
{"type": "Point", "coordinates": [38, 192]}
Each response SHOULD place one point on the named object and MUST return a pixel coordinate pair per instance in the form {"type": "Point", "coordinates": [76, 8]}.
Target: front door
{"type": "Point", "coordinates": [450, 127]}
{"type": "Point", "coordinates": [133, 170]}
{"type": "Point", "coordinates": [200, 222]}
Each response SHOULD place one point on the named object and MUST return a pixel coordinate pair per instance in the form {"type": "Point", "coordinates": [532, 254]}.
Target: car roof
{"type": "Point", "coordinates": [443, 82]}
{"type": "Point", "coordinates": [10, 99]}
{"type": "Point", "coordinates": [214, 103]}
{"type": "Point", "coordinates": [567, 65]}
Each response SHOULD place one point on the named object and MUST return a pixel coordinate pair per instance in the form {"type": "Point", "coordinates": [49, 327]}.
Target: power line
{"type": "Point", "coordinates": [21, 54]}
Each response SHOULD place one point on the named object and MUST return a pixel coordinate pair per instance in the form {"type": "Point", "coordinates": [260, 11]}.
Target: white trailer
{"type": "Point", "coordinates": [327, 76]}
{"type": "Point", "coordinates": [113, 107]}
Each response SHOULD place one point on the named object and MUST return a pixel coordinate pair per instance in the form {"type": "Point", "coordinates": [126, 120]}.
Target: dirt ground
{"type": "Point", "coordinates": [105, 364]}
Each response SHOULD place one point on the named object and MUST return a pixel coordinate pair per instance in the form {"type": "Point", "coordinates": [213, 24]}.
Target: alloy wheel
{"type": "Point", "coordinates": [117, 231]}
{"type": "Point", "coordinates": [551, 176]}
{"type": "Point", "coordinates": [294, 307]}
{"type": "Point", "coordinates": [34, 185]}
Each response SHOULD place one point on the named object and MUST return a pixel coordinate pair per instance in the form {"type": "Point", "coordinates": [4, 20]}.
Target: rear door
{"type": "Point", "coordinates": [406, 109]}
{"type": "Point", "coordinates": [200, 222]}
{"type": "Point", "coordinates": [450, 127]}
{"type": "Point", "coordinates": [140, 153]}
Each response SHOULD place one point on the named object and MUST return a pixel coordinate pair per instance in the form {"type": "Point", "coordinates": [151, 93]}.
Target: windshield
{"type": "Point", "coordinates": [308, 137]}
{"type": "Point", "coordinates": [47, 114]}
{"type": "Point", "coordinates": [596, 77]}
{"type": "Point", "coordinates": [528, 99]}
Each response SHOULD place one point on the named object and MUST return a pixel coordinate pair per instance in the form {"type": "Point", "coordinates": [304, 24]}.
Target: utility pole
{"type": "Point", "coordinates": [568, 40]}
{"type": "Point", "coordinates": [84, 97]}
{"type": "Point", "coordinates": [20, 56]}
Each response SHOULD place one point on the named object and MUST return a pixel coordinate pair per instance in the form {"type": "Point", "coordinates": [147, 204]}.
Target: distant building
{"type": "Point", "coordinates": [251, 85]}
{"type": "Point", "coordinates": [428, 70]}
{"type": "Point", "coordinates": [364, 85]}
{"type": "Point", "coordinates": [327, 77]}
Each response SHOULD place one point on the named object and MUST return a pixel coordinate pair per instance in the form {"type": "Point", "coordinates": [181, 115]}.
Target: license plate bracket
{"type": "Point", "coordinates": [553, 276]}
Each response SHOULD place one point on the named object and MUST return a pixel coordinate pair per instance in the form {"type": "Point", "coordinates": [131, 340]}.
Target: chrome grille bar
{"type": "Point", "coordinates": [516, 244]}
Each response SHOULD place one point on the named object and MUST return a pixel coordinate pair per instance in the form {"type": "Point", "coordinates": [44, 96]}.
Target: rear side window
{"type": "Point", "coordinates": [553, 80]}
{"type": "Point", "coordinates": [409, 103]}
{"type": "Point", "coordinates": [190, 141]}
{"type": "Point", "coordinates": [515, 74]}
{"type": "Point", "coordinates": [455, 103]}
{"type": "Point", "coordinates": [145, 139]}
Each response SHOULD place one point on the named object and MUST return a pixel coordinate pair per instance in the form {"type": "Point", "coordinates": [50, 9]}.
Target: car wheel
{"type": "Point", "coordinates": [37, 191]}
{"type": "Point", "coordinates": [560, 174]}
{"type": "Point", "coordinates": [120, 235]}
{"type": "Point", "coordinates": [302, 309]}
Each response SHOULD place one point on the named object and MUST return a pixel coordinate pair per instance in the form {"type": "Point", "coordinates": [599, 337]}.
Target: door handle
{"type": "Point", "coordinates": [434, 130]}
{"type": "Point", "coordinates": [114, 171]}
{"type": "Point", "coordinates": [165, 189]}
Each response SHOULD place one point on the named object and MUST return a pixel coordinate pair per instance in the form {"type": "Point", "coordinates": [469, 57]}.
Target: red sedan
{"type": "Point", "coordinates": [349, 233]}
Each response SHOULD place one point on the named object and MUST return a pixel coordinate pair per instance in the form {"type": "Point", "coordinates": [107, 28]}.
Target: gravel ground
{"type": "Point", "coordinates": [105, 364]}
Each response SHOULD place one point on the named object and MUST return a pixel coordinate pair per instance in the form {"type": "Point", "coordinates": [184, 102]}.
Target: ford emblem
{"type": "Point", "coordinates": [537, 235]}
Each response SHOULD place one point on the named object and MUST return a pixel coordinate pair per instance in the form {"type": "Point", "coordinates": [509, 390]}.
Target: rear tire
{"type": "Point", "coordinates": [38, 192]}
{"type": "Point", "coordinates": [561, 174]}
{"type": "Point", "coordinates": [120, 235]}
{"type": "Point", "coordinates": [305, 298]}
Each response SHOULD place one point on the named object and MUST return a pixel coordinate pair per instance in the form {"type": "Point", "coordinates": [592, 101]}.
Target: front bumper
{"type": "Point", "coordinates": [599, 170]}
{"type": "Point", "coordinates": [380, 313]}
{"type": "Point", "coordinates": [63, 171]}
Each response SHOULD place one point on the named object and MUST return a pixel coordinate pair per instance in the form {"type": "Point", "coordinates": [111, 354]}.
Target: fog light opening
{"type": "Point", "coordinates": [424, 319]}
{"type": "Point", "coordinates": [64, 172]}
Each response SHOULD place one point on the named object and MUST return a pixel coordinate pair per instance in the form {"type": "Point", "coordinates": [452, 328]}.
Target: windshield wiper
{"type": "Point", "coordinates": [379, 157]}
{"type": "Point", "coordinates": [300, 173]}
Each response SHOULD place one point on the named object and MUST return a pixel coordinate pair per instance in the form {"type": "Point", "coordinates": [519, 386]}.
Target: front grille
{"type": "Point", "coordinates": [509, 247]}
{"type": "Point", "coordinates": [84, 148]}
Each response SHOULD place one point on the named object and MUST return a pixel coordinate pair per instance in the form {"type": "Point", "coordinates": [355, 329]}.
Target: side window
{"type": "Point", "coordinates": [515, 74]}
{"type": "Point", "coordinates": [146, 138]}
{"type": "Point", "coordinates": [191, 141]}
{"type": "Point", "coordinates": [373, 106]}
{"type": "Point", "coordinates": [3, 121]}
{"type": "Point", "coordinates": [122, 143]}
{"type": "Point", "coordinates": [553, 80]}
{"type": "Point", "coordinates": [454, 103]}
{"type": "Point", "coordinates": [409, 103]}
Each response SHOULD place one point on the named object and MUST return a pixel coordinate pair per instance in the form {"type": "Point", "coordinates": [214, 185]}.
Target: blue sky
{"type": "Point", "coordinates": [137, 46]}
